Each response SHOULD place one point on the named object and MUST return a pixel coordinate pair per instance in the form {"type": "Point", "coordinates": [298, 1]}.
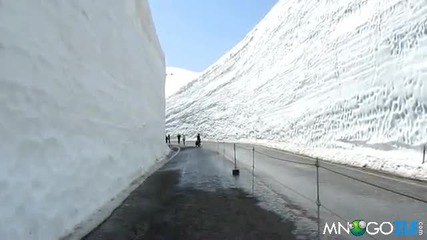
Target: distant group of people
{"type": "Point", "coordinates": [179, 137]}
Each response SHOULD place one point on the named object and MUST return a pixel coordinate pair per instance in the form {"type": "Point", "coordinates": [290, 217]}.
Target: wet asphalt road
{"type": "Point", "coordinates": [194, 196]}
{"type": "Point", "coordinates": [348, 199]}
{"type": "Point", "coordinates": [167, 205]}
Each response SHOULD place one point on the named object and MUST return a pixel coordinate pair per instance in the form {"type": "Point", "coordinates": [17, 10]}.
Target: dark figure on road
{"type": "Point", "coordinates": [179, 138]}
{"type": "Point", "coordinates": [169, 138]}
{"type": "Point", "coordinates": [198, 141]}
{"type": "Point", "coordinates": [166, 138]}
{"type": "Point", "coordinates": [183, 139]}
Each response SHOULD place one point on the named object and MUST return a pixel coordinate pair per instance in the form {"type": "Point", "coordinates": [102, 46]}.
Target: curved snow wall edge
{"type": "Point", "coordinates": [82, 106]}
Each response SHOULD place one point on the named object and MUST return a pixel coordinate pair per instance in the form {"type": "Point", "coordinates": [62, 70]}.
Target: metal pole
{"type": "Point", "coordinates": [217, 150]}
{"type": "Point", "coordinates": [217, 147]}
{"type": "Point", "coordinates": [253, 169]}
{"type": "Point", "coordinates": [424, 154]}
{"type": "Point", "coordinates": [235, 164]}
{"type": "Point", "coordinates": [318, 198]}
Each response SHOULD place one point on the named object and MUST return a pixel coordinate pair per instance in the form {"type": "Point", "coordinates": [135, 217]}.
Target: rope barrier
{"type": "Point", "coordinates": [377, 186]}
{"type": "Point", "coordinates": [241, 146]}
{"type": "Point", "coordinates": [285, 160]}
{"type": "Point", "coordinates": [333, 171]}
{"type": "Point", "coordinates": [345, 175]}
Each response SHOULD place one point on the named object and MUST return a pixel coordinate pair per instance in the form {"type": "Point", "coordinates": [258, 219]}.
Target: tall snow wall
{"type": "Point", "coordinates": [343, 80]}
{"type": "Point", "coordinates": [82, 110]}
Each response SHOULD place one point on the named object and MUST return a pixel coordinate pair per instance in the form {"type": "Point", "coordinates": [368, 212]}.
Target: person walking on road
{"type": "Point", "coordinates": [199, 140]}
{"type": "Point", "coordinates": [166, 138]}
{"type": "Point", "coordinates": [179, 138]}
{"type": "Point", "coordinates": [183, 139]}
{"type": "Point", "coordinates": [169, 138]}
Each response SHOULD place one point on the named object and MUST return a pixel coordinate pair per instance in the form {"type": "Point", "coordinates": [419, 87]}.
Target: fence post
{"type": "Point", "coordinates": [318, 198]}
{"type": "Point", "coordinates": [424, 154]}
{"type": "Point", "coordinates": [235, 172]}
{"type": "Point", "coordinates": [222, 149]}
{"type": "Point", "coordinates": [235, 163]}
{"type": "Point", "coordinates": [253, 169]}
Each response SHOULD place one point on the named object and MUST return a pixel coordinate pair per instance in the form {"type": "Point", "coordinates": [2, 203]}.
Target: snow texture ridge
{"type": "Point", "coordinates": [341, 80]}
{"type": "Point", "coordinates": [82, 110]}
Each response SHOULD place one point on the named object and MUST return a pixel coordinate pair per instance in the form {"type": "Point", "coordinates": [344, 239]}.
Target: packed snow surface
{"type": "Point", "coordinates": [177, 78]}
{"type": "Point", "coordinates": [343, 80]}
{"type": "Point", "coordinates": [82, 110]}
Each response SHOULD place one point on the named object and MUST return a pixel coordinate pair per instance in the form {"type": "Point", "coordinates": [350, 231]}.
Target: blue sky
{"type": "Point", "coordinates": [195, 33]}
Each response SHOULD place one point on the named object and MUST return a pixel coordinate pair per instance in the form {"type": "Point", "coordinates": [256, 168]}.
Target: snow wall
{"type": "Point", "coordinates": [344, 80]}
{"type": "Point", "coordinates": [82, 110]}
